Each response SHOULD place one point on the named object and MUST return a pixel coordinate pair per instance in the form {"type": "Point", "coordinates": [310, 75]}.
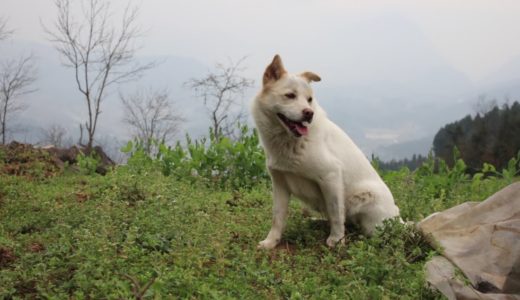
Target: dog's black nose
{"type": "Point", "coordinates": [307, 115]}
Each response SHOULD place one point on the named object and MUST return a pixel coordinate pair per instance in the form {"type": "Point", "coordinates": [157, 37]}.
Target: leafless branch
{"type": "Point", "coordinates": [100, 53]}
{"type": "Point", "coordinates": [222, 93]}
{"type": "Point", "coordinates": [5, 32]}
{"type": "Point", "coordinates": [55, 135]}
{"type": "Point", "coordinates": [16, 78]}
{"type": "Point", "coordinates": [151, 117]}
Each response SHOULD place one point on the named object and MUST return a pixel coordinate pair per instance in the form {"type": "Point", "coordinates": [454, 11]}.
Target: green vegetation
{"type": "Point", "coordinates": [493, 137]}
{"type": "Point", "coordinates": [169, 227]}
{"type": "Point", "coordinates": [394, 165]}
{"type": "Point", "coordinates": [219, 163]}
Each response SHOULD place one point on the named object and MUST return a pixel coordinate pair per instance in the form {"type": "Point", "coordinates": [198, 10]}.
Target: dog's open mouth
{"type": "Point", "coordinates": [297, 128]}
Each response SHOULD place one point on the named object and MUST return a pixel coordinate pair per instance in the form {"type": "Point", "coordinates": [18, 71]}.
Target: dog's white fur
{"type": "Point", "coordinates": [323, 167]}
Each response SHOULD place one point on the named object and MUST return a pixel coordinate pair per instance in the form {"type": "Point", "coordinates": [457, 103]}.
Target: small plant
{"type": "Point", "coordinates": [512, 169]}
{"type": "Point", "coordinates": [139, 160]}
{"type": "Point", "coordinates": [131, 192]}
{"type": "Point", "coordinates": [87, 164]}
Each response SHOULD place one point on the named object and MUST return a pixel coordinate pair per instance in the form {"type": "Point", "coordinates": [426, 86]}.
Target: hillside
{"type": "Point", "coordinates": [137, 233]}
{"type": "Point", "coordinates": [492, 138]}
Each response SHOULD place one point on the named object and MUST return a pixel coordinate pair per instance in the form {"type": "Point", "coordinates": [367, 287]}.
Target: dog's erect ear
{"type": "Point", "coordinates": [274, 71]}
{"type": "Point", "coordinates": [309, 76]}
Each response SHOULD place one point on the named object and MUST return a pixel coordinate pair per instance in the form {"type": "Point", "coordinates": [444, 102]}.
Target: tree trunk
{"type": "Point", "coordinates": [4, 121]}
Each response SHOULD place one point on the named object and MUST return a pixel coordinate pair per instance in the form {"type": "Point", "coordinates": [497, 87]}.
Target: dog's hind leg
{"type": "Point", "coordinates": [281, 196]}
{"type": "Point", "coordinates": [374, 214]}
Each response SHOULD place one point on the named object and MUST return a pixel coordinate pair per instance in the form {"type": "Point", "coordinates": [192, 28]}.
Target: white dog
{"type": "Point", "coordinates": [310, 157]}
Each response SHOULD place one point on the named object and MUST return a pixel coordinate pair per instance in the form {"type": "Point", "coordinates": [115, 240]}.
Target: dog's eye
{"type": "Point", "coordinates": [290, 95]}
{"type": "Point", "coordinates": [309, 99]}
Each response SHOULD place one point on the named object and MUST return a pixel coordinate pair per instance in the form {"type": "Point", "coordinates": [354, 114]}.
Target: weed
{"type": "Point", "coordinates": [221, 163]}
{"type": "Point", "coordinates": [87, 163]}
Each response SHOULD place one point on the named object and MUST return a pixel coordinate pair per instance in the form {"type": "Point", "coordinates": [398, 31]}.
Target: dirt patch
{"type": "Point", "coordinates": [26, 289]}
{"type": "Point", "coordinates": [7, 257]}
{"type": "Point", "coordinates": [284, 247]}
{"type": "Point", "coordinates": [32, 162]}
{"type": "Point", "coordinates": [36, 247]}
{"type": "Point", "coordinates": [82, 197]}
{"type": "Point", "coordinates": [25, 160]}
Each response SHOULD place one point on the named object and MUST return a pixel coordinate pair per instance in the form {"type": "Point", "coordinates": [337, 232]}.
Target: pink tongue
{"type": "Point", "coordinates": [301, 129]}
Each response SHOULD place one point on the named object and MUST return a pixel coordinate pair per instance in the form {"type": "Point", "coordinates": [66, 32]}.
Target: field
{"type": "Point", "coordinates": [137, 233]}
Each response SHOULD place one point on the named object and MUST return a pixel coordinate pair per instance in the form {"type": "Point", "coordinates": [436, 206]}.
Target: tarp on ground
{"type": "Point", "coordinates": [483, 240]}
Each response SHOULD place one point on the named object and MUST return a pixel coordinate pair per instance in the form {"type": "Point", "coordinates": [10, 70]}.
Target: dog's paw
{"type": "Point", "coordinates": [333, 241]}
{"type": "Point", "coordinates": [267, 244]}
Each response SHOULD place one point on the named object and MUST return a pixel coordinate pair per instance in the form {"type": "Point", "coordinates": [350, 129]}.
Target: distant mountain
{"type": "Point", "coordinates": [396, 87]}
{"type": "Point", "coordinates": [404, 150]}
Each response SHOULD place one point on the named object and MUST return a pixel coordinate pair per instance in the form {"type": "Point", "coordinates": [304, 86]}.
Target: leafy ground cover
{"type": "Point", "coordinates": [138, 233]}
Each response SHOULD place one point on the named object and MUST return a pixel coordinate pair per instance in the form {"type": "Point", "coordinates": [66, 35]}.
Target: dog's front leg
{"type": "Point", "coordinates": [281, 196]}
{"type": "Point", "coordinates": [332, 189]}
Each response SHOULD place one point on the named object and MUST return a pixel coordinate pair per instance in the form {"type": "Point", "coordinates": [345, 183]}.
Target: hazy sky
{"type": "Point", "coordinates": [476, 36]}
{"type": "Point", "coordinates": [385, 64]}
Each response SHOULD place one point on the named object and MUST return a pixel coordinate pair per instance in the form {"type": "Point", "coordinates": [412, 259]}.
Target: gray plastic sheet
{"type": "Point", "coordinates": [482, 239]}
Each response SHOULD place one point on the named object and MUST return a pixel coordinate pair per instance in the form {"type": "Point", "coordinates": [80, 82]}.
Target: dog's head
{"type": "Point", "coordinates": [289, 97]}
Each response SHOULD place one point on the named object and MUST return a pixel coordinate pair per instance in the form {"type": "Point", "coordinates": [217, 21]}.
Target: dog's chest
{"type": "Point", "coordinates": [287, 155]}
{"type": "Point", "coordinates": [306, 190]}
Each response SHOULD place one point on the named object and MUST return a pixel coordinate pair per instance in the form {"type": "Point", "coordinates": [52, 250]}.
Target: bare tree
{"type": "Point", "coordinates": [4, 31]}
{"type": "Point", "coordinates": [151, 117]}
{"type": "Point", "coordinates": [16, 78]}
{"type": "Point", "coordinates": [55, 135]}
{"type": "Point", "coordinates": [222, 92]}
{"type": "Point", "coordinates": [100, 54]}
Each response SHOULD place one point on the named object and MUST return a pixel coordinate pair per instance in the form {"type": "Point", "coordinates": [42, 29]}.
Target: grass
{"type": "Point", "coordinates": [148, 236]}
